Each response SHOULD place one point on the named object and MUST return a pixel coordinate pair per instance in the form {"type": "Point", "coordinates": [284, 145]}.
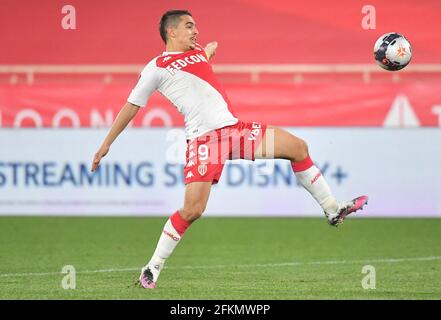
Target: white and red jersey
{"type": "Point", "coordinates": [187, 80]}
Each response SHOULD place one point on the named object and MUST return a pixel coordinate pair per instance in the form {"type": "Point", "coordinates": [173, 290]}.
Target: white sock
{"type": "Point", "coordinates": [168, 241]}
{"type": "Point", "coordinates": [313, 181]}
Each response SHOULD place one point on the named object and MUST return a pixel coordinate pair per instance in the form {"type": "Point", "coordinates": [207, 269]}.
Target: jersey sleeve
{"type": "Point", "coordinates": [147, 84]}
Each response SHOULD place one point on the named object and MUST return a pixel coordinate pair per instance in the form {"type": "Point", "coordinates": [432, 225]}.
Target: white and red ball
{"type": "Point", "coordinates": [392, 51]}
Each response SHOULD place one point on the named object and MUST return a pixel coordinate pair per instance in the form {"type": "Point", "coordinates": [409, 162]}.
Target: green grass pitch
{"type": "Point", "coordinates": [222, 258]}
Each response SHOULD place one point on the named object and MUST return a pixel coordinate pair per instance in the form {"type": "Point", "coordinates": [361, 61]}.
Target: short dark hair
{"type": "Point", "coordinates": [168, 18]}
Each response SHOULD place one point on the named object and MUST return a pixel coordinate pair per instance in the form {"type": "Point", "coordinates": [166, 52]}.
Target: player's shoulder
{"type": "Point", "coordinates": [199, 47]}
{"type": "Point", "coordinates": [201, 50]}
{"type": "Point", "coordinates": [152, 64]}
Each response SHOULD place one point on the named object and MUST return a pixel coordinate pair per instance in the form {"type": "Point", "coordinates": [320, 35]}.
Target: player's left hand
{"type": "Point", "coordinates": [210, 49]}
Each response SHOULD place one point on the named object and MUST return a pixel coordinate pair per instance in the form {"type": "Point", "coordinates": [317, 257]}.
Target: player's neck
{"type": "Point", "coordinates": [172, 48]}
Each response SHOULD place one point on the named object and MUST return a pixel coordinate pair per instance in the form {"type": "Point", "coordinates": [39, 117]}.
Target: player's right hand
{"type": "Point", "coordinates": [97, 158]}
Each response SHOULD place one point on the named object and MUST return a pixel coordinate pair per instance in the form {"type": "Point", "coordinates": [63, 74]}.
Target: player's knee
{"type": "Point", "coordinates": [193, 212]}
{"type": "Point", "coordinates": [301, 150]}
{"type": "Point", "coordinates": [303, 147]}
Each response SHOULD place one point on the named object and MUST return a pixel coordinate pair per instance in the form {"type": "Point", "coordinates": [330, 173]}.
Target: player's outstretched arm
{"type": "Point", "coordinates": [210, 49]}
{"type": "Point", "coordinates": [126, 114]}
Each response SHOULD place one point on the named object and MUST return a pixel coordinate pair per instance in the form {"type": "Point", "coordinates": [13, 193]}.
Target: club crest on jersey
{"type": "Point", "coordinates": [181, 63]}
{"type": "Point", "coordinates": [202, 169]}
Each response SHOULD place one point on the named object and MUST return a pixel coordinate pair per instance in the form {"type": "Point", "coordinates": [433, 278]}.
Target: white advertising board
{"type": "Point", "coordinates": [47, 172]}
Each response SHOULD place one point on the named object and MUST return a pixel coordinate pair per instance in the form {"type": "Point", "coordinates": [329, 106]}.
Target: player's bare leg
{"type": "Point", "coordinates": [280, 144]}
{"type": "Point", "coordinates": [196, 198]}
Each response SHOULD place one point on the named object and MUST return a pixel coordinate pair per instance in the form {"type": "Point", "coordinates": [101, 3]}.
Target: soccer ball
{"type": "Point", "coordinates": [392, 51]}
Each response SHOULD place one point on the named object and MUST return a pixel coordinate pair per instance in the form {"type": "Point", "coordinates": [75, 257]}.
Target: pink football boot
{"type": "Point", "coordinates": [146, 279]}
{"type": "Point", "coordinates": [346, 209]}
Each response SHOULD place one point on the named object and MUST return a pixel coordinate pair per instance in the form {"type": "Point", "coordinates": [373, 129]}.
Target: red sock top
{"type": "Point", "coordinates": [302, 165]}
{"type": "Point", "coordinates": [179, 223]}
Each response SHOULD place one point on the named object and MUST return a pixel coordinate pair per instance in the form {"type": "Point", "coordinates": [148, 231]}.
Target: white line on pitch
{"type": "Point", "coordinates": [292, 264]}
{"type": "Point", "coordinates": [283, 264]}
{"type": "Point", "coordinates": [60, 273]}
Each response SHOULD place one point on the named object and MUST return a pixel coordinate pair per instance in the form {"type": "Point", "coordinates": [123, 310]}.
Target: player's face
{"type": "Point", "coordinates": [185, 34]}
